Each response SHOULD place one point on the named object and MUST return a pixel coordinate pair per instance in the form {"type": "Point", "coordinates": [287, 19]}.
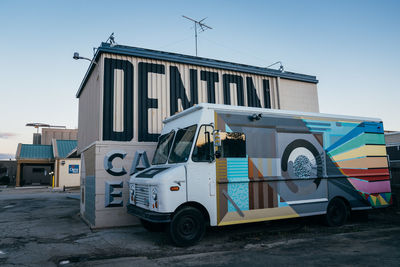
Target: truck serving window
{"type": "Point", "coordinates": [204, 149]}
{"type": "Point", "coordinates": [182, 145]}
{"type": "Point", "coordinates": [163, 148]}
{"type": "Point", "coordinates": [233, 145]}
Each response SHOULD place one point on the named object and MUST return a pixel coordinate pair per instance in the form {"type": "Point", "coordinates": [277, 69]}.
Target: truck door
{"type": "Point", "coordinates": [232, 177]}
{"type": "Point", "coordinates": [201, 171]}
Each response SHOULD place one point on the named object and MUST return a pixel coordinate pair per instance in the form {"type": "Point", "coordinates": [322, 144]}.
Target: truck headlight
{"type": "Point", "coordinates": [154, 193]}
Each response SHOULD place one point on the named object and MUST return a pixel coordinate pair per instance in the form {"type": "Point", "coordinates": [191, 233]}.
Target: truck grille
{"type": "Point", "coordinates": [142, 195]}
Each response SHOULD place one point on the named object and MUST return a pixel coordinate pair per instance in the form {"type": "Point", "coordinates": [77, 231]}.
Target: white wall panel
{"type": "Point", "coordinates": [118, 125]}
{"type": "Point", "coordinates": [295, 95]}
{"type": "Point", "coordinates": [89, 117]}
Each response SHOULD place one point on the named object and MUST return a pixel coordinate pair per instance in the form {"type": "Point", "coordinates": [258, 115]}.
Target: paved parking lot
{"type": "Point", "coordinates": [39, 227]}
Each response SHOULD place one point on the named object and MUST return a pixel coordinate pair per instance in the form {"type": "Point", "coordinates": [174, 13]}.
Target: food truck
{"type": "Point", "coordinates": [220, 165]}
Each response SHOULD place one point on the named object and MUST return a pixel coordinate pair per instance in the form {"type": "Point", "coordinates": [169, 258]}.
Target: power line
{"type": "Point", "coordinates": [241, 52]}
{"type": "Point", "coordinates": [174, 43]}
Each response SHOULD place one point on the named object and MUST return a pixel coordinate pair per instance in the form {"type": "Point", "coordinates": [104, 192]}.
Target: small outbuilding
{"type": "Point", "coordinates": [34, 164]}
{"type": "Point", "coordinates": [66, 163]}
{"type": "Point", "coordinates": [54, 165]}
{"type": "Point", "coordinates": [8, 172]}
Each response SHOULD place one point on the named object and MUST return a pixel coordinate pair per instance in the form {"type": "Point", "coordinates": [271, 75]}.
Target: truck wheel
{"type": "Point", "coordinates": [152, 227]}
{"type": "Point", "coordinates": [187, 227]}
{"type": "Point", "coordinates": [336, 213]}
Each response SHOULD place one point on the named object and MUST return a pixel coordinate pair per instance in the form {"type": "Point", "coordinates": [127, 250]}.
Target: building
{"type": "Point", "coordinates": [53, 163]}
{"type": "Point", "coordinates": [8, 172]}
{"type": "Point", "coordinates": [392, 140]}
{"type": "Point", "coordinates": [126, 94]}
{"type": "Point", "coordinates": [48, 134]}
{"type": "Point", "coordinates": [34, 164]}
{"type": "Point", "coordinates": [66, 163]}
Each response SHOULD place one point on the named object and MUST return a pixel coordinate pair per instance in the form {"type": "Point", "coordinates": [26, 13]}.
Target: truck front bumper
{"type": "Point", "coordinates": [149, 215]}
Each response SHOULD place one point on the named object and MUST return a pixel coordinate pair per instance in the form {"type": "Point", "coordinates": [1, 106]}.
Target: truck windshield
{"type": "Point", "coordinates": [182, 145]}
{"type": "Point", "coordinates": [163, 148]}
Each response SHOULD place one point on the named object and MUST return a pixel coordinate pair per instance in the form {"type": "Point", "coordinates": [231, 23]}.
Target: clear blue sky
{"type": "Point", "coordinates": [353, 47]}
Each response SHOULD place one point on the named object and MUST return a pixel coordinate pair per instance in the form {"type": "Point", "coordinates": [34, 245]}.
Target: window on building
{"type": "Point", "coordinates": [3, 171]}
{"type": "Point", "coordinates": [204, 149]}
{"type": "Point", "coordinates": [393, 152]}
{"type": "Point", "coordinates": [38, 170]}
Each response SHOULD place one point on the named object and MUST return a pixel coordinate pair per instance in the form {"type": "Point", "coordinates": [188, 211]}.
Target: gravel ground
{"type": "Point", "coordinates": [41, 227]}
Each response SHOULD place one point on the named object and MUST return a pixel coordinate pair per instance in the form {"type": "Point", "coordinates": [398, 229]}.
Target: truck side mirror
{"type": "Point", "coordinates": [210, 153]}
{"type": "Point", "coordinates": [218, 154]}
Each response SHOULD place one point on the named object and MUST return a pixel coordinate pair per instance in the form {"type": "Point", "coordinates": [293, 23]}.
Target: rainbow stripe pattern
{"type": "Point", "coordinates": [361, 156]}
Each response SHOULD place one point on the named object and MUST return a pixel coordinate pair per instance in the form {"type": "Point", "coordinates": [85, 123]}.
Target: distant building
{"type": "Point", "coordinates": [48, 134]}
{"type": "Point", "coordinates": [54, 162]}
{"type": "Point", "coordinates": [8, 172]}
{"type": "Point", "coordinates": [34, 164]}
{"type": "Point", "coordinates": [392, 140]}
{"type": "Point", "coordinates": [66, 163]}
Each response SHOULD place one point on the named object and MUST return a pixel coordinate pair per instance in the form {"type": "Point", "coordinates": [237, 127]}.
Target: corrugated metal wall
{"type": "Point", "coordinates": [89, 117]}
{"type": "Point", "coordinates": [392, 138]}
{"type": "Point", "coordinates": [161, 75]}
{"type": "Point", "coordinates": [296, 95]}
{"type": "Point", "coordinates": [49, 134]}
{"type": "Point", "coordinates": [162, 88]}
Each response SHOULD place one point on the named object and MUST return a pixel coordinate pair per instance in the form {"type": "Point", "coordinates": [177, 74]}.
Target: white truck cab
{"type": "Point", "coordinates": [220, 165]}
{"type": "Point", "coordinates": [179, 187]}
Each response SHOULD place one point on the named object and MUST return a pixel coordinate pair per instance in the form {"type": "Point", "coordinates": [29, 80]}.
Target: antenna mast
{"type": "Point", "coordinates": [201, 25]}
{"type": "Point", "coordinates": [38, 125]}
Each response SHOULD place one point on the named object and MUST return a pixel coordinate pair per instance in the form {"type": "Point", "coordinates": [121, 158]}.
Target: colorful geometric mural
{"type": "Point", "coordinates": [237, 174]}
{"type": "Point", "coordinates": [294, 165]}
{"type": "Point", "coordinates": [376, 200]}
{"type": "Point", "coordinates": [359, 152]}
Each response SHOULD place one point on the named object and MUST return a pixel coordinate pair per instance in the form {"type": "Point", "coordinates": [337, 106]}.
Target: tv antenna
{"type": "Point", "coordinates": [281, 68]}
{"type": "Point", "coordinates": [202, 27]}
{"type": "Point", "coordinates": [38, 125]}
{"type": "Point", "coordinates": [111, 40]}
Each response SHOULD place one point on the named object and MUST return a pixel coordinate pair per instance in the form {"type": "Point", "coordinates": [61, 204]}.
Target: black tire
{"type": "Point", "coordinates": [153, 227]}
{"type": "Point", "coordinates": [336, 213]}
{"type": "Point", "coordinates": [187, 227]}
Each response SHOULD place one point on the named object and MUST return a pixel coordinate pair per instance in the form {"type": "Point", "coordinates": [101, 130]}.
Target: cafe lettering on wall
{"type": "Point", "coordinates": [113, 189]}
{"type": "Point", "coordinates": [243, 84]}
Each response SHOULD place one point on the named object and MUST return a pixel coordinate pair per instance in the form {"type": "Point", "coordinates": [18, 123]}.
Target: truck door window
{"type": "Point", "coordinates": [233, 145]}
{"type": "Point", "coordinates": [182, 145]}
{"type": "Point", "coordinates": [204, 149]}
{"type": "Point", "coordinates": [163, 148]}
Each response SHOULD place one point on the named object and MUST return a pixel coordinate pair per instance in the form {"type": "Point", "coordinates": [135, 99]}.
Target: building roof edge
{"type": "Point", "coordinates": [187, 59]}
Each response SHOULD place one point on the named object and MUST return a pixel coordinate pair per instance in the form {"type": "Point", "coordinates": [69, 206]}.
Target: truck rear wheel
{"type": "Point", "coordinates": [187, 227]}
{"type": "Point", "coordinates": [336, 213]}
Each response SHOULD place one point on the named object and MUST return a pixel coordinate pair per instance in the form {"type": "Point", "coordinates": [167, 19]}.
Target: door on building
{"type": "Point", "coordinates": [36, 174]}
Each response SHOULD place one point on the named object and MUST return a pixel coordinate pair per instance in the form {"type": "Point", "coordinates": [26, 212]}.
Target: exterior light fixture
{"type": "Point", "coordinates": [255, 117]}
{"type": "Point", "coordinates": [110, 40]}
{"type": "Point", "coordinates": [76, 56]}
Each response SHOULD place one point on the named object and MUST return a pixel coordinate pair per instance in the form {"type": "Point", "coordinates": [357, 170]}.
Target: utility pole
{"type": "Point", "coordinates": [202, 27]}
